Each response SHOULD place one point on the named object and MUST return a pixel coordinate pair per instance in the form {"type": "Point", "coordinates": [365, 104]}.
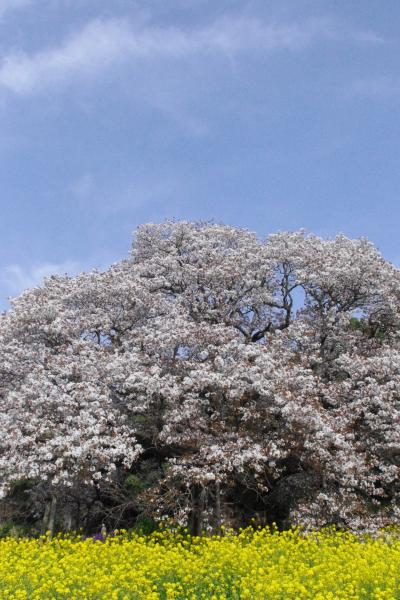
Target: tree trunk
{"type": "Point", "coordinates": [46, 514]}
{"type": "Point", "coordinates": [69, 517]}
{"type": "Point", "coordinates": [78, 514]}
{"type": "Point", "coordinates": [52, 515]}
{"type": "Point", "coordinates": [196, 516]}
{"type": "Point", "coordinates": [218, 507]}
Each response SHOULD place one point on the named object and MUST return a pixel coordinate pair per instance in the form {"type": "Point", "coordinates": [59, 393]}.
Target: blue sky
{"type": "Point", "coordinates": [267, 115]}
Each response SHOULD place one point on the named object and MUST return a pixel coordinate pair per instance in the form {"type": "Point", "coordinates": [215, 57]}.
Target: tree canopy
{"type": "Point", "coordinates": [218, 376]}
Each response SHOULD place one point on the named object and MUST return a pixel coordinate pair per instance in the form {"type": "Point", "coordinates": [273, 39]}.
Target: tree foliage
{"type": "Point", "coordinates": [209, 377]}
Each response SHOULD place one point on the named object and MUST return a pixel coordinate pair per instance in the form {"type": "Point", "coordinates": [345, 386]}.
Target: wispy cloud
{"type": "Point", "coordinates": [104, 43]}
{"type": "Point", "coordinates": [141, 191]}
{"type": "Point", "coordinates": [82, 187]}
{"type": "Point", "coordinates": [10, 5]}
{"type": "Point", "coordinates": [379, 87]}
{"type": "Point", "coordinates": [368, 37]}
{"type": "Point", "coordinates": [15, 278]}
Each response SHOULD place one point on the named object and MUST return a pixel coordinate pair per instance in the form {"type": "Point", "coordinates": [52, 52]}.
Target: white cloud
{"type": "Point", "coordinates": [83, 187]}
{"type": "Point", "coordinates": [14, 278]}
{"type": "Point", "coordinates": [368, 37]}
{"type": "Point", "coordinates": [104, 43]}
{"type": "Point", "coordinates": [97, 46]}
{"type": "Point", "coordinates": [380, 87]}
{"type": "Point", "coordinates": [9, 5]}
{"type": "Point", "coordinates": [144, 192]}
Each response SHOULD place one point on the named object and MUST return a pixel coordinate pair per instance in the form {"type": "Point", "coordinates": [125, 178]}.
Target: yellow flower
{"type": "Point", "coordinates": [252, 564]}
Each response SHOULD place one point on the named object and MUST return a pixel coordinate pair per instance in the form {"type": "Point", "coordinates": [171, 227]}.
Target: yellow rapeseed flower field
{"type": "Point", "coordinates": [251, 564]}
